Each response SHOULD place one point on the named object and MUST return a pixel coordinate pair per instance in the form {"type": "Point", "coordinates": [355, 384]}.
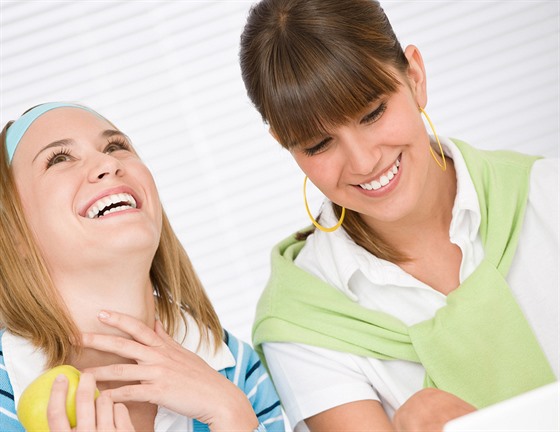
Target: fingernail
{"type": "Point", "coordinates": [60, 378]}
{"type": "Point", "coordinates": [103, 315]}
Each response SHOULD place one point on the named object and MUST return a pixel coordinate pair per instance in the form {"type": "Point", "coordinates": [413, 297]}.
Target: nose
{"type": "Point", "coordinates": [360, 151]}
{"type": "Point", "coordinates": [103, 166]}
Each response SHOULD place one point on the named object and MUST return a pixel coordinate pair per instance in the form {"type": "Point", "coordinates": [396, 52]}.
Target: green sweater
{"type": "Point", "coordinates": [479, 346]}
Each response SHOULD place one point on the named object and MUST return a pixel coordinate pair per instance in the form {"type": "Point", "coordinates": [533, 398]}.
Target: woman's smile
{"type": "Point", "coordinates": [386, 178]}
{"type": "Point", "coordinates": [110, 201]}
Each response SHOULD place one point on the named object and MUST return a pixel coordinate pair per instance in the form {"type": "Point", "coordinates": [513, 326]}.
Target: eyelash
{"type": "Point", "coordinates": [375, 114]}
{"type": "Point", "coordinates": [60, 152]}
{"type": "Point", "coordinates": [317, 148]}
{"type": "Point", "coordinates": [121, 143]}
{"type": "Point", "coordinates": [368, 119]}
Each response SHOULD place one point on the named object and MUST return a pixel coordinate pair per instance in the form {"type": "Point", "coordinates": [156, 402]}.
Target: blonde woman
{"type": "Point", "coordinates": [93, 276]}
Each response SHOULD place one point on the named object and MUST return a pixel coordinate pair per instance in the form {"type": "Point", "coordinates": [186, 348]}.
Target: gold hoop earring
{"type": "Point", "coordinates": [443, 165]}
{"type": "Point", "coordinates": [319, 226]}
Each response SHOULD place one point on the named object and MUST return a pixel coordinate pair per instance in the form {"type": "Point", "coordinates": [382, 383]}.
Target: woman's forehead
{"type": "Point", "coordinates": [68, 119]}
{"type": "Point", "coordinates": [66, 123]}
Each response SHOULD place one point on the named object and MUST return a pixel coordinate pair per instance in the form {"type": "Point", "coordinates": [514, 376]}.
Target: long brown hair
{"type": "Point", "coordinates": [311, 65]}
{"type": "Point", "coordinates": [31, 307]}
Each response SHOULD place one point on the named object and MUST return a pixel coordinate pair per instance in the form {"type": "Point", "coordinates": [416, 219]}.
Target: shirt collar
{"type": "Point", "coordinates": [466, 208]}
{"type": "Point", "coordinates": [336, 258]}
{"type": "Point", "coordinates": [24, 362]}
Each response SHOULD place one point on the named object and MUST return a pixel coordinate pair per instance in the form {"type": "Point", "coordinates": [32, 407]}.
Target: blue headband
{"type": "Point", "coordinates": [18, 128]}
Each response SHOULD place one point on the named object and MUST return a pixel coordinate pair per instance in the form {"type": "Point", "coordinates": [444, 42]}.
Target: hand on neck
{"type": "Point", "coordinates": [122, 288]}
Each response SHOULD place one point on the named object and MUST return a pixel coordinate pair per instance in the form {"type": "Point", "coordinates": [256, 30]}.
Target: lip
{"type": "Point", "coordinates": [115, 190]}
{"type": "Point", "coordinates": [383, 190]}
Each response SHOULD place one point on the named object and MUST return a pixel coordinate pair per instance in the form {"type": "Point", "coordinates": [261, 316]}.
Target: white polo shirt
{"type": "Point", "coordinates": [310, 380]}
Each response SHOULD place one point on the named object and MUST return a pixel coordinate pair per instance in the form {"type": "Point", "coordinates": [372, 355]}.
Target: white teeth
{"type": "Point", "coordinates": [99, 208]}
{"type": "Point", "coordinates": [384, 180]}
{"type": "Point", "coordinates": [116, 209]}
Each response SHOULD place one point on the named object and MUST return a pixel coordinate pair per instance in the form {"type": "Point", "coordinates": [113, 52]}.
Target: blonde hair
{"type": "Point", "coordinates": [311, 65]}
{"type": "Point", "coordinates": [31, 307]}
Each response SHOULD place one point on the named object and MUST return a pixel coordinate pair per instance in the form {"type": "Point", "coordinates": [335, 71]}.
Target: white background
{"type": "Point", "coordinates": [166, 73]}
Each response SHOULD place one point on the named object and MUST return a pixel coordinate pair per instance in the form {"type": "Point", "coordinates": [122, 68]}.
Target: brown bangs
{"type": "Point", "coordinates": [309, 98]}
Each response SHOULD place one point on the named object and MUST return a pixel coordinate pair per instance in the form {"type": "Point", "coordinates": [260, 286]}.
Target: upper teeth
{"type": "Point", "coordinates": [384, 179]}
{"type": "Point", "coordinates": [111, 204]}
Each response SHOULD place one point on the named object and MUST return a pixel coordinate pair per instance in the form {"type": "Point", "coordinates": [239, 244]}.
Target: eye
{"type": "Point", "coordinates": [58, 156]}
{"type": "Point", "coordinates": [318, 148]}
{"type": "Point", "coordinates": [116, 144]}
{"type": "Point", "coordinates": [375, 115]}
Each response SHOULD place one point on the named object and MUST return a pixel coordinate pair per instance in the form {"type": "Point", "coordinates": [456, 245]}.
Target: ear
{"type": "Point", "coordinates": [416, 75]}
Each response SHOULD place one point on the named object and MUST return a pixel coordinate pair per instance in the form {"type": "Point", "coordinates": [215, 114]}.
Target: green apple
{"type": "Point", "coordinates": [32, 405]}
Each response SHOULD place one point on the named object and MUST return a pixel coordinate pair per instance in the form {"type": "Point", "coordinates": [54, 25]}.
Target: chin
{"type": "Point", "coordinates": [137, 237]}
{"type": "Point", "coordinates": [135, 247]}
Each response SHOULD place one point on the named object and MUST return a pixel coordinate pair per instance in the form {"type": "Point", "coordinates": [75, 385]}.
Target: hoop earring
{"type": "Point", "coordinates": [319, 226]}
{"type": "Point", "coordinates": [444, 165]}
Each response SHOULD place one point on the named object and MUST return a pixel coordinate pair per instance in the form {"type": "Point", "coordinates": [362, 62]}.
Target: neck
{"type": "Point", "coordinates": [432, 218]}
{"type": "Point", "coordinates": [119, 286]}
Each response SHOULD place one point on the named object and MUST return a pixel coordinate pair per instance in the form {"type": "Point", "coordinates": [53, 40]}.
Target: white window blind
{"type": "Point", "coordinates": [166, 73]}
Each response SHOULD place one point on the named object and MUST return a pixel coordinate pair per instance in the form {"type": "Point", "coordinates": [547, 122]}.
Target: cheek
{"type": "Point", "coordinates": [152, 192]}
{"type": "Point", "coordinates": [44, 223]}
{"type": "Point", "coordinates": [404, 129]}
{"type": "Point", "coordinates": [159, 215]}
{"type": "Point", "coordinates": [318, 168]}
{"type": "Point", "coordinates": [45, 204]}
{"type": "Point", "coordinates": [29, 204]}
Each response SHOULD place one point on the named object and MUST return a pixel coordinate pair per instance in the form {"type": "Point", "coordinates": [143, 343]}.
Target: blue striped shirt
{"type": "Point", "coordinates": [248, 374]}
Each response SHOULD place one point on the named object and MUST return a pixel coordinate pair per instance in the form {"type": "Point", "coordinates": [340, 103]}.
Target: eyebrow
{"type": "Point", "coordinates": [68, 141]}
{"type": "Point", "coordinates": [112, 132]}
{"type": "Point", "coordinates": [59, 143]}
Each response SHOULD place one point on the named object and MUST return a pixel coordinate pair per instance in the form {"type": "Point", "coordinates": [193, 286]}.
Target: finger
{"type": "Point", "coordinates": [130, 325]}
{"type": "Point", "coordinates": [85, 406]}
{"type": "Point", "coordinates": [122, 418]}
{"type": "Point", "coordinates": [124, 372]}
{"type": "Point", "coordinates": [165, 337]}
{"type": "Point", "coordinates": [134, 393]}
{"type": "Point", "coordinates": [104, 413]}
{"type": "Point", "coordinates": [56, 408]}
{"type": "Point", "coordinates": [118, 345]}
{"type": "Point", "coordinates": [160, 331]}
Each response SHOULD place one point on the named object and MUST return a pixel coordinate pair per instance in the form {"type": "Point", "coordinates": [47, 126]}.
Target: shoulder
{"type": "Point", "coordinates": [500, 177]}
{"type": "Point", "coordinates": [248, 369]}
{"type": "Point", "coordinates": [543, 200]}
{"type": "Point", "coordinates": [494, 155]}
{"type": "Point", "coordinates": [544, 175]}
{"type": "Point", "coordinates": [487, 164]}
{"type": "Point", "coordinates": [249, 375]}
{"type": "Point", "coordinates": [6, 392]}
{"type": "Point", "coordinates": [8, 417]}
